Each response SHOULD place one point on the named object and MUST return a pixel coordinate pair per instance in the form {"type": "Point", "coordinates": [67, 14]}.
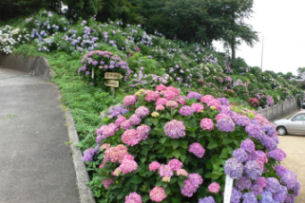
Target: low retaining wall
{"type": "Point", "coordinates": [279, 110]}
{"type": "Point", "coordinates": [34, 65]}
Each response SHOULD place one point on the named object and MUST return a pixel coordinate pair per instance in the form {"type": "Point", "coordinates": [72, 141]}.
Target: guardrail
{"type": "Point", "coordinates": [280, 109]}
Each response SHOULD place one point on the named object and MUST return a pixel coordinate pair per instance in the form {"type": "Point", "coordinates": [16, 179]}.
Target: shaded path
{"type": "Point", "coordinates": [36, 164]}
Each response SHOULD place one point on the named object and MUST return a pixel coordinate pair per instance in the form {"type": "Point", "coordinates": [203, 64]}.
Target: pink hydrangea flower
{"type": "Point", "coordinates": [214, 103]}
{"type": "Point", "coordinates": [165, 171]}
{"type": "Point", "coordinates": [160, 108]}
{"type": "Point", "coordinates": [120, 120]}
{"type": "Point", "coordinates": [169, 94]}
{"type": "Point", "coordinates": [172, 104]}
{"type": "Point", "coordinates": [220, 116]}
{"type": "Point", "coordinates": [109, 130]}
{"type": "Point", "coordinates": [173, 89]}
{"type": "Point", "coordinates": [151, 96]}
{"type": "Point", "coordinates": [207, 124]}
{"type": "Point", "coordinates": [197, 149]}
{"type": "Point", "coordinates": [186, 111]}
{"type": "Point", "coordinates": [161, 87]}
{"type": "Point", "coordinates": [206, 98]}
{"type": "Point", "coordinates": [154, 166]}
{"type": "Point", "coordinates": [133, 198]}
{"type": "Point", "coordinates": [126, 125]}
{"type": "Point", "coordinates": [115, 154]}
{"type": "Point", "coordinates": [195, 179]}
{"type": "Point", "coordinates": [214, 187]}
{"type": "Point", "coordinates": [174, 129]}
{"type": "Point", "coordinates": [130, 137]}
{"type": "Point", "coordinates": [143, 131]}
{"type": "Point", "coordinates": [134, 120]}
{"type": "Point", "coordinates": [142, 111]}
{"type": "Point", "coordinates": [107, 183]}
{"type": "Point", "coordinates": [127, 166]}
{"type": "Point", "coordinates": [175, 164]}
{"type": "Point", "coordinates": [161, 101]}
{"type": "Point", "coordinates": [182, 172]}
{"type": "Point", "coordinates": [181, 100]}
{"type": "Point", "coordinates": [157, 194]}
{"type": "Point", "coordinates": [130, 100]}
{"type": "Point", "coordinates": [197, 107]}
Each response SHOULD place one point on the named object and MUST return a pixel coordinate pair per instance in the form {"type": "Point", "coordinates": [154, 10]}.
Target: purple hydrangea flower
{"type": "Point", "coordinates": [243, 183]}
{"type": "Point", "coordinates": [89, 153]}
{"type": "Point", "coordinates": [296, 189]}
{"type": "Point", "coordinates": [280, 170]}
{"type": "Point", "coordinates": [235, 196]}
{"type": "Point", "coordinates": [268, 142]}
{"type": "Point", "coordinates": [224, 101]}
{"type": "Point", "coordinates": [240, 154]}
{"type": "Point", "coordinates": [248, 145]}
{"type": "Point", "coordinates": [281, 195]}
{"type": "Point", "coordinates": [255, 131]}
{"type": "Point", "coordinates": [277, 154]}
{"type": "Point", "coordinates": [225, 124]}
{"type": "Point", "coordinates": [253, 169]}
{"type": "Point", "coordinates": [289, 179]}
{"type": "Point", "coordinates": [256, 189]}
{"type": "Point", "coordinates": [195, 95]}
{"type": "Point", "coordinates": [267, 197]}
{"type": "Point", "coordinates": [273, 185]}
{"type": "Point", "coordinates": [208, 199]}
{"type": "Point", "coordinates": [249, 197]}
{"type": "Point", "coordinates": [289, 199]}
{"type": "Point", "coordinates": [269, 129]}
{"type": "Point", "coordinates": [233, 168]}
{"type": "Point", "coordinates": [240, 120]}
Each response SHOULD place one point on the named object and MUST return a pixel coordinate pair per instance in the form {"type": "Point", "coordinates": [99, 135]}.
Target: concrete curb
{"type": "Point", "coordinates": [82, 178]}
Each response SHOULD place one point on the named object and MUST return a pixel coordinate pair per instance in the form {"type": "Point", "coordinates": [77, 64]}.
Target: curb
{"type": "Point", "coordinates": [82, 178]}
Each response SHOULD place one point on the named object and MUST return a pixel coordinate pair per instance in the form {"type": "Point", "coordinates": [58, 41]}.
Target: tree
{"type": "Point", "coordinates": [82, 8]}
{"type": "Point", "coordinates": [125, 10]}
{"type": "Point", "coordinates": [235, 34]}
{"type": "Point", "coordinates": [301, 72]}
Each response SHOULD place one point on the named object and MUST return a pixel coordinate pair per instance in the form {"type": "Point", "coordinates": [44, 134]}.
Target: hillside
{"type": "Point", "coordinates": [82, 53]}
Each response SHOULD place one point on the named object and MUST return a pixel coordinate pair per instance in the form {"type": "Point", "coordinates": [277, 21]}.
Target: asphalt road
{"type": "Point", "coordinates": [36, 164]}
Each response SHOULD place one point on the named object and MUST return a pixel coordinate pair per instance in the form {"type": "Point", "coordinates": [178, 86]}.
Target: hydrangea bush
{"type": "Point", "coordinates": [97, 63]}
{"type": "Point", "coordinates": [9, 37]}
{"type": "Point", "coordinates": [161, 146]}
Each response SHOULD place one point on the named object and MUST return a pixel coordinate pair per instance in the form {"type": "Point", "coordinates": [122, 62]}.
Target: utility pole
{"type": "Point", "coordinates": [262, 57]}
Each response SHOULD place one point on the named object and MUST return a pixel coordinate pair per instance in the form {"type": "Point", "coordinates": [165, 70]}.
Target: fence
{"type": "Point", "coordinates": [281, 109]}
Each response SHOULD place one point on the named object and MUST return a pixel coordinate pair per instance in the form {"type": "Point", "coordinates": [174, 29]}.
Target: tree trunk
{"type": "Point", "coordinates": [233, 54]}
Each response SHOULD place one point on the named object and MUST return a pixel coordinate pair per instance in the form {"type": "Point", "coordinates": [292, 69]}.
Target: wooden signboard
{"type": "Point", "coordinates": [113, 76]}
{"type": "Point", "coordinates": [112, 83]}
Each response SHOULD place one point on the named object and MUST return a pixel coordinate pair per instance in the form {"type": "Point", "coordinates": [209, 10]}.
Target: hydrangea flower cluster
{"type": "Point", "coordinates": [96, 63]}
{"type": "Point", "coordinates": [247, 166]}
{"type": "Point", "coordinates": [169, 144]}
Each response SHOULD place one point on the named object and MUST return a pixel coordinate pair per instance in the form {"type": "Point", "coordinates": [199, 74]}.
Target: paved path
{"type": "Point", "coordinates": [36, 164]}
{"type": "Point", "coordinates": [294, 146]}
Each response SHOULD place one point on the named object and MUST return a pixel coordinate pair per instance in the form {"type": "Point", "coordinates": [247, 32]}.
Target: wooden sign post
{"type": "Point", "coordinates": [112, 80]}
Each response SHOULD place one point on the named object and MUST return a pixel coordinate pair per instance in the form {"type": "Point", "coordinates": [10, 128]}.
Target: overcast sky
{"type": "Point", "coordinates": [282, 23]}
